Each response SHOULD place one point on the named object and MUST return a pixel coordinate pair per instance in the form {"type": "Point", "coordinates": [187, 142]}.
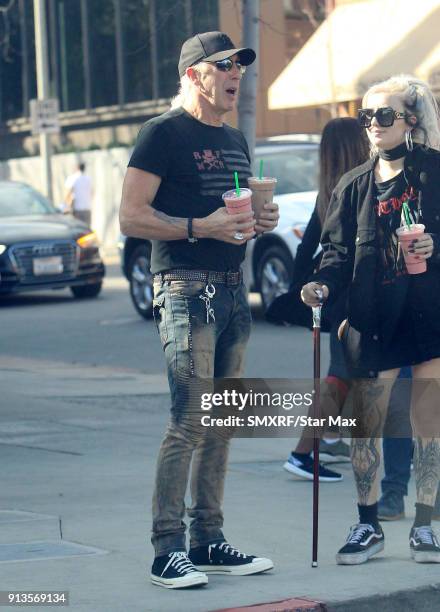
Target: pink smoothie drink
{"type": "Point", "coordinates": [406, 236]}
{"type": "Point", "coordinates": [262, 192]}
{"type": "Point", "coordinates": [238, 203]}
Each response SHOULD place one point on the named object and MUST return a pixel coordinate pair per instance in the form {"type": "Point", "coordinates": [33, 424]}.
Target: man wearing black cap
{"type": "Point", "coordinates": [182, 163]}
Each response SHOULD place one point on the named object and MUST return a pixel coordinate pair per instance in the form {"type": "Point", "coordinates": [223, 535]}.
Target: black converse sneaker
{"type": "Point", "coordinates": [225, 559]}
{"type": "Point", "coordinates": [175, 571]}
{"type": "Point", "coordinates": [424, 545]}
{"type": "Point", "coordinates": [363, 542]}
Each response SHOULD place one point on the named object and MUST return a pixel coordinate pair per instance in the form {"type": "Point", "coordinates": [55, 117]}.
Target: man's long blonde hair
{"type": "Point", "coordinates": [185, 92]}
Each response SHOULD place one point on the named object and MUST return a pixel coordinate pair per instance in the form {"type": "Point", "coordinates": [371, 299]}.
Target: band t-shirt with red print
{"type": "Point", "coordinates": [390, 196]}
{"type": "Point", "coordinates": [196, 163]}
{"type": "Point", "coordinates": [393, 280]}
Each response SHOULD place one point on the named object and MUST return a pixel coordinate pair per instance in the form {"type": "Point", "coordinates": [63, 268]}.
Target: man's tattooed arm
{"type": "Point", "coordinates": [179, 222]}
{"type": "Point", "coordinates": [139, 219]}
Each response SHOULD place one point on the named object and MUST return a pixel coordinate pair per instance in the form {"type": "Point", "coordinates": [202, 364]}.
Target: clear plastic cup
{"type": "Point", "coordinates": [262, 192]}
{"type": "Point", "coordinates": [238, 203]}
{"type": "Point", "coordinates": [414, 265]}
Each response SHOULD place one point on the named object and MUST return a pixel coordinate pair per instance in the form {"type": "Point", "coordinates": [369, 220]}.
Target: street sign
{"type": "Point", "coordinates": [44, 116]}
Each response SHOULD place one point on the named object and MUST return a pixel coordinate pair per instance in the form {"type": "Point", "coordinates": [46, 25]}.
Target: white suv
{"type": "Point", "coordinates": [294, 161]}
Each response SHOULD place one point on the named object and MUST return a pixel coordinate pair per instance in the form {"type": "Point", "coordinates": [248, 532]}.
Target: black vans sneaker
{"type": "Point", "coordinates": [175, 571]}
{"type": "Point", "coordinates": [302, 466]}
{"type": "Point", "coordinates": [363, 542]}
{"type": "Point", "coordinates": [424, 545]}
{"type": "Point", "coordinates": [225, 559]}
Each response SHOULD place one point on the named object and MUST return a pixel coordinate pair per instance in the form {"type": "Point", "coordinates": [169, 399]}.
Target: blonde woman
{"type": "Point", "coordinates": [393, 317]}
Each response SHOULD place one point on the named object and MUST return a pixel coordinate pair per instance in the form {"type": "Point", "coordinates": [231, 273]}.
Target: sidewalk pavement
{"type": "Point", "coordinates": [83, 464]}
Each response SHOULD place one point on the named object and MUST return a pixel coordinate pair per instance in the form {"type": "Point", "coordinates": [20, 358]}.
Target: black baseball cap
{"type": "Point", "coordinates": [211, 47]}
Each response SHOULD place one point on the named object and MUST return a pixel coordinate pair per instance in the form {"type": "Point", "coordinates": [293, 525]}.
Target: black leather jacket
{"type": "Point", "coordinates": [349, 240]}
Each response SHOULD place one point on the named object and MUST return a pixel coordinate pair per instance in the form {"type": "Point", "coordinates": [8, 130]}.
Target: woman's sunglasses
{"type": "Point", "coordinates": [227, 64]}
{"type": "Point", "coordinates": [385, 116]}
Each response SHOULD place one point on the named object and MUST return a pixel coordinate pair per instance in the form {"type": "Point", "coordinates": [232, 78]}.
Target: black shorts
{"type": "Point", "coordinates": [337, 366]}
{"type": "Point", "coordinates": [413, 340]}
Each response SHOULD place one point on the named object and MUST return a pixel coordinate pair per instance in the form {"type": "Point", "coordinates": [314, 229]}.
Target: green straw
{"type": "Point", "coordinates": [237, 186]}
{"type": "Point", "coordinates": [405, 208]}
{"type": "Point", "coordinates": [261, 169]}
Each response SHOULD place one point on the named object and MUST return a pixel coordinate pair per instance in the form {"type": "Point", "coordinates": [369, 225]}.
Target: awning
{"type": "Point", "coordinates": [359, 44]}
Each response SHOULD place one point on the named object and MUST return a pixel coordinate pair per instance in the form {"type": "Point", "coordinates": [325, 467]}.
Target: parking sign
{"type": "Point", "coordinates": [44, 116]}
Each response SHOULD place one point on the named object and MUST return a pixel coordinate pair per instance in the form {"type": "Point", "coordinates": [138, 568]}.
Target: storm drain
{"type": "Point", "coordinates": [24, 526]}
{"type": "Point", "coordinates": [40, 551]}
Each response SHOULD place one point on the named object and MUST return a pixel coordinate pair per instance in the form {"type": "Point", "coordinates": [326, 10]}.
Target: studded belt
{"type": "Point", "coordinates": [230, 278]}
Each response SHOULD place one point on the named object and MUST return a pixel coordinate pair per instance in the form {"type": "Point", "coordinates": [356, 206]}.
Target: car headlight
{"type": "Point", "coordinates": [88, 241]}
{"type": "Point", "coordinates": [3, 248]}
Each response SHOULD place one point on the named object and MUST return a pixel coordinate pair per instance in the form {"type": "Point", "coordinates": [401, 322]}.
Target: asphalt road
{"type": "Point", "coordinates": [107, 331]}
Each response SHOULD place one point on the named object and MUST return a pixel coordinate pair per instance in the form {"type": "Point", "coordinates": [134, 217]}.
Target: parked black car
{"type": "Point", "coordinates": [40, 248]}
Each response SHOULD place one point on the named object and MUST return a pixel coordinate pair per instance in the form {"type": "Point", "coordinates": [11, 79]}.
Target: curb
{"type": "Point", "coordinates": [422, 599]}
{"type": "Point", "coordinates": [301, 604]}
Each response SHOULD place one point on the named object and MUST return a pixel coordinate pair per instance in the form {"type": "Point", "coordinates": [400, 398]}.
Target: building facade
{"type": "Point", "coordinates": [113, 65]}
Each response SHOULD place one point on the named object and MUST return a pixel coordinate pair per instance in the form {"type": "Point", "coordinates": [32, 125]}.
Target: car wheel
{"type": "Point", "coordinates": [141, 281]}
{"type": "Point", "coordinates": [86, 291]}
{"type": "Point", "coordinates": [274, 274]}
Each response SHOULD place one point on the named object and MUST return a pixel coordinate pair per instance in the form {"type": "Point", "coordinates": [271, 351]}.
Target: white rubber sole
{"type": "Point", "coordinates": [258, 565]}
{"type": "Point", "coordinates": [424, 556]}
{"type": "Point", "coordinates": [297, 471]}
{"type": "Point", "coordinates": [192, 580]}
{"type": "Point", "coordinates": [360, 557]}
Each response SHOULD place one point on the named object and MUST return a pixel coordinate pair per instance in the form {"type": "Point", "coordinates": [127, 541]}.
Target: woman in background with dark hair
{"type": "Point", "coordinates": [343, 146]}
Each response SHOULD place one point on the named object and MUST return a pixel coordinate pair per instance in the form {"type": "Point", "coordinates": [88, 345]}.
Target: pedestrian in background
{"type": "Point", "coordinates": [183, 162]}
{"type": "Point", "coordinates": [343, 146]}
{"type": "Point", "coordinates": [392, 315]}
{"type": "Point", "coordinates": [397, 451]}
{"type": "Point", "coordinates": [79, 194]}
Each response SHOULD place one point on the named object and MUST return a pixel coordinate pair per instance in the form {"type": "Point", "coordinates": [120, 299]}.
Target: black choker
{"type": "Point", "coordinates": [392, 154]}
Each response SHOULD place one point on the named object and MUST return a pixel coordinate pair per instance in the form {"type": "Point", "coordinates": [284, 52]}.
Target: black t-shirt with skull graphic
{"type": "Point", "coordinates": [196, 163]}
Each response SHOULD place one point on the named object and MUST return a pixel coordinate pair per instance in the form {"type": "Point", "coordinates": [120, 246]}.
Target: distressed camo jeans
{"type": "Point", "coordinates": [202, 340]}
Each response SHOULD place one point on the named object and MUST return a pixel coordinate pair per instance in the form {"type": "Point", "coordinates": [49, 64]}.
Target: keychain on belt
{"type": "Point", "coordinates": [208, 295]}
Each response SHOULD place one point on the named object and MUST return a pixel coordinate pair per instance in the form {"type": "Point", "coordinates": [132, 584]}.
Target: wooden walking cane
{"type": "Point", "coordinates": [316, 310]}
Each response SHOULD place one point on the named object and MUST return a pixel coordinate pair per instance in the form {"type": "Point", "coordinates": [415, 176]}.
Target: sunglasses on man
{"type": "Point", "coordinates": [227, 64]}
{"type": "Point", "coordinates": [385, 116]}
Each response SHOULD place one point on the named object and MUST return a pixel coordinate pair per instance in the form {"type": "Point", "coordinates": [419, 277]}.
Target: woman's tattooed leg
{"type": "Point", "coordinates": [427, 469]}
{"type": "Point", "coordinates": [425, 417]}
{"type": "Point", "coordinates": [371, 397]}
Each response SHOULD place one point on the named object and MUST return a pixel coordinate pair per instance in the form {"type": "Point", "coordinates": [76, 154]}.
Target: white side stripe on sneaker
{"type": "Point", "coordinates": [426, 535]}
{"type": "Point", "coordinates": [357, 532]}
